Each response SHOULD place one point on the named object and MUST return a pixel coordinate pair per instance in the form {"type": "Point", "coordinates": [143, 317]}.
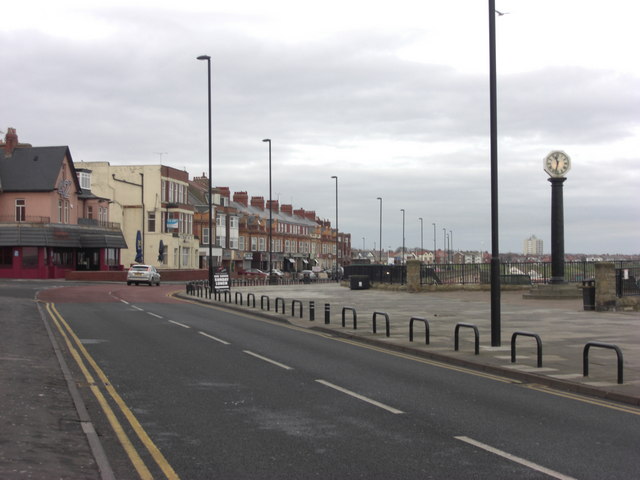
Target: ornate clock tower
{"type": "Point", "coordinates": [557, 164]}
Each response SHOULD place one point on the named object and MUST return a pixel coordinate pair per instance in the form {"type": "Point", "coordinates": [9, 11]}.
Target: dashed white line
{"type": "Point", "coordinates": [214, 338]}
{"type": "Point", "coordinates": [273, 362]}
{"type": "Point", "coordinates": [124, 301]}
{"type": "Point", "coordinates": [154, 315]}
{"type": "Point", "coordinates": [513, 458]}
{"type": "Point", "coordinates": [361, 397]}
{"type": "Point", "coordinates": [179, 324]}
{"type": "Point", "coordinates": [137, 308]}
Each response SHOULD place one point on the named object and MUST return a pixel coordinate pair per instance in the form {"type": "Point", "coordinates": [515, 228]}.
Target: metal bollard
{"type": "Point", "coordinates": [327, 313]}
{"type": "Point", "coordinates": [312, 311]}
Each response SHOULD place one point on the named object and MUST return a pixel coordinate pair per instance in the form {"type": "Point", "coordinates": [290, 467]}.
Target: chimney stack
{"type": "Point", "coordinates": [257, 202]}
{"type": "Point", "coordinates": [10, 142]}
{"type": "Point", "coordinates": [242, 198]}
{"type": "Point", "coordinates": [286, 208]}
{"type": "Point", "coordinates": [275, 207]}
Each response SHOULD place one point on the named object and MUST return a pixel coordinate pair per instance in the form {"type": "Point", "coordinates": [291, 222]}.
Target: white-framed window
{"type": "Point", "coordinates": [254, 244]}
{"type": "Point", "coordinates": [186, 256]}
{"type": "Point", "coordinates": [205, 235]}
{"type": "Point", "coordinates": [21, 209]}
{"type": "Point", "coordinates": [85, 180]}
{"type": "Point", "coordinates": [241, 243]}
{"type": "Point", "coordinates": [262, 244]}
{"type": "Point", "coordinates": [151, 221]}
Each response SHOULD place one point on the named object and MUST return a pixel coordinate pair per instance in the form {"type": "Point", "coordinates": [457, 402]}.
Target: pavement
{"type": "Point", "coordinates": [563, 327]}
{"type": "Point", "coordinates": [45, 432]}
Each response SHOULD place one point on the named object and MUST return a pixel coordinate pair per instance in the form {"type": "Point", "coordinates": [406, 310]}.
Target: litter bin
{"type": "Point", "coordinates": [589, 294]}
{"type": "Point", "coordinates": [359, 282]}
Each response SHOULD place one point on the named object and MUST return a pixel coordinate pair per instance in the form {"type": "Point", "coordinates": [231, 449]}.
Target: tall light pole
{"type": "Point", "coordinates": [435, 258]}
{"type": "Point", "coordinates": [268, 140]}
{"type": "Point", "coordinates": [380, 198]}
{"type": "Point", "coordinates": [495, 248]}
{"type": "Point", "coordinates": [421, 236]}
{"type": "Point", "coordinates": [444, 244]}
{"type": "Point", "coordinates": [208, 59]}
{"type": "Point", "coordinates": [337, 250]}
{"type": "Point", "coordinates": [451, 244]}
{"type": "Point", "coordinates": [402, 210]}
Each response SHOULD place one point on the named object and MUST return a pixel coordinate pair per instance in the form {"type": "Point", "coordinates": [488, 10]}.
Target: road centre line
{"type": "Point", "coordinates": [154, 315]}
{"type": "Point", "coordinates": [513, 458]}
{"type": "Point", "coordinates": [360, 397]}
{"type": "Point", "coordinates": [137, 308]}
{"type": "Point", "coordinates": [124, 301]}
{"type": "Point", "coordinates": [273, 362]}
{"type": "Point", "coordinates": [179, 324]}
{"type": "Point", "coordinates": [214, 338]}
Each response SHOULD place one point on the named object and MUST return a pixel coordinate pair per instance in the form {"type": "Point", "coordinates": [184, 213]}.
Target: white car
{"type": "Point", "coordinates": [143, 274]}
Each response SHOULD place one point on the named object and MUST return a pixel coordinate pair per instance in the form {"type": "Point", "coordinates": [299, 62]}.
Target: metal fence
{"type": "Point", "coordinates": [511, 273]}
{"type": "Point", "coordinates": [628, 281]}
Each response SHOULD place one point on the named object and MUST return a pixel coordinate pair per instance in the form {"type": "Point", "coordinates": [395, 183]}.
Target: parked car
{"type": "Point", "coordinates": [143, 274]}
{"type": "Point", "coordinates": [307, 275]}
{"type": "Point", "coordinates": [277, 273]}
{"type": "Point", "coordinates": [253, 272]}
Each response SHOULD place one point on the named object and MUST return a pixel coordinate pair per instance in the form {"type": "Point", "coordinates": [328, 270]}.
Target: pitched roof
{"type": "Point", "coordinates": [34, 169]}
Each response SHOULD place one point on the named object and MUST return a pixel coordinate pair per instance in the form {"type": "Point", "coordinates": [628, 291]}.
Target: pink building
{"type": "Point", "coordinates": [48, 223]}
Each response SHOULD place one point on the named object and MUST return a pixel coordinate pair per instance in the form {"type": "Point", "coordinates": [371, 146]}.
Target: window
{"type": "Point", "coordinates": [185, 256]}
{"type": "Point", "coordinates": [59, 210]}
{"type": "Point", "coordinates": [21, 210]}
{"type": "Point", "coordinates": [151, 221]}
{"type": "Point", "coordinates": [103, 216]}
{"type": "Point", "coordinates": [6, 257]}
{"type": "Point", "coordinates": [254, 244]}
{"type": "Point", "coordinates": [89, 211]}
{"type": "Point", "coordinates": [262, 244]}
{"type": "Point", "coordinates": [66, 211]}
{"type": "Point", "coordinates": [241, 243]}
{"type": "Point", "coordinates": [85, 180]}
{"type": "Point", "coordinates": [233, 243]}
{"type": "Point", "coordinates": [205, 236]}
{"type": "Point", "coordinates": [29, 257]}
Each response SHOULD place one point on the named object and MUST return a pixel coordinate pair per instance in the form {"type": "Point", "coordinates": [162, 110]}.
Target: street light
{"type": "Point", "coordinates": [208, 59]}
{"type": "Point", "coordinates": [451, 244]}
{"type": "Point", "coordinates": [435, 259]}
{"type": "Point", "coordinates": [495, 248]}
{"type": "Point", "coordinates": [337, 275]}
{"type": "Point", "coordinates": [421, 236]}
{"type": "Point", "coordinates": [268, 140]}
{"type": "Point", "coordinates": [380, 198]}
{"type": "Point", "coordinates": [444, 242]}
{"type": "Point", "coordinates": [402, 210]}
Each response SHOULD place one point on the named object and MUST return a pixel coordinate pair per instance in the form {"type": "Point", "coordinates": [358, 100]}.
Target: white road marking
{"type": "Point", "coordinates": [137, 308]}
{"type": "Point", "coordinates": [214, 338]}
{"type": "Point", "coordinates": [361, 397]}
{"type": "Point", "coordinates": [273, 362]}
{"type": "Point", "coordinates": [179, 324]}
{"type": "Point", "coordinates": [154, 315]}
{"type": "Point", "coordinates": [124, 301]}
{"type": "Point", "coordinates": [513, 458]}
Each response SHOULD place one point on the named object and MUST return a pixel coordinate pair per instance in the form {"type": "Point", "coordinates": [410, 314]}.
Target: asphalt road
{"type": "Point", "coordinates": [223, 395]}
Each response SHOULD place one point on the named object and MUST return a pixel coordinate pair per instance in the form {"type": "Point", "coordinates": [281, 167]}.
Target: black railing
{"type": "Point", "coordinates": [628, 281]}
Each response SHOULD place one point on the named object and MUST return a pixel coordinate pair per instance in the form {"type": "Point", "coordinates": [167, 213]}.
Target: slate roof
{"type": "Point", "coordinates": [34, 169]}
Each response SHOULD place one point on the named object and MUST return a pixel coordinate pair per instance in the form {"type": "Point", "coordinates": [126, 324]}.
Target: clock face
{"type": "Point", "coordinates": [557, 164]}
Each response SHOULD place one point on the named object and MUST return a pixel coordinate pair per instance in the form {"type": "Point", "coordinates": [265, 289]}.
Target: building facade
{"type": "Point", "coordinates": [49, 223]}
{"type": "Point", "coordinates": [151, 203]}
{"type": "Point", "coordinates": [533, 246]}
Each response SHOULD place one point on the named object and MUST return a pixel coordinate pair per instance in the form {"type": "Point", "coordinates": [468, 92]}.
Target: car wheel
{"type": "Point", "coordinates": [128, 283]}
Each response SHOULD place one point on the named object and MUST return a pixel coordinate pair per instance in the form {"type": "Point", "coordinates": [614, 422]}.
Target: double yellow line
{"type": "Point", "coordinates": [82, 358]}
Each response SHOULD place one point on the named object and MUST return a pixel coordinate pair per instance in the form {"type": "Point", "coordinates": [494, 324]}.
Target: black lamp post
{"type": "Point", "coordinates": [208, 59]}
{"type": "Point", "coordinates": [380, 198]}
{"type": "Point", "coordinates": [271, 277]}
{"type": "Point", "coordinates": [435, 258]}
{"type": "Point", "coordinates": [337, 250]}
{"type": "Point", "coordinates": [495, 248]}
{"type": "Point", "coordinates": [421, 236]}
{"type": "Point", "coordinates": [402, 210]}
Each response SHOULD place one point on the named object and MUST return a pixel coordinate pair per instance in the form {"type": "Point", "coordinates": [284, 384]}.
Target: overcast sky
{"type": "Point", "coordinates": [392, 97]}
